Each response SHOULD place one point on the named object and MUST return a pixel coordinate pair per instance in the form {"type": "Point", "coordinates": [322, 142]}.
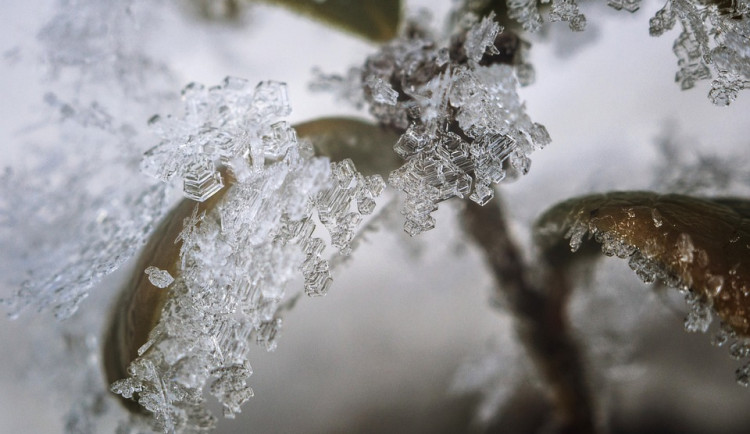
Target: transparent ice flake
{"type": "Point", "coordinates": [628, 5]}
{"type": "Point", "coordinates": [201, 181]}
{"type": "Point", "coordinates": [382, 92]}
{"type": "Point", "coordinates": [526, 13]}
{"type": "Point", "coordinates": [480, 39]}
{"type": "Point", "coordinates": [159, 278]}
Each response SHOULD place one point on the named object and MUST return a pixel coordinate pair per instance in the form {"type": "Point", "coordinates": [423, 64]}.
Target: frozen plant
{"type": "Point", "coordinates": [237, 251]}
{"type": "Point", "coordinates": [265, 203]}
{"type": "Point", "coordinates": [464, 126]}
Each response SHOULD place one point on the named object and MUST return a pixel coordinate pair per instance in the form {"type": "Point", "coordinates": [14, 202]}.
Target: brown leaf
{"type": "Point", "coordinates": [700, 244]}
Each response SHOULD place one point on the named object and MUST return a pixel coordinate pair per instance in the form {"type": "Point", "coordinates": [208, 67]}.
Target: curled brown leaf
{"type": "Point", "coordinates": [695, 243]}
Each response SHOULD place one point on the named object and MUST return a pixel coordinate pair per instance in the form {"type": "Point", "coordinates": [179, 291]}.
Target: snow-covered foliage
{"type": "Point", "coordinates": [237, 258]}
{"type": "Point", "coordinates": [463, 129]}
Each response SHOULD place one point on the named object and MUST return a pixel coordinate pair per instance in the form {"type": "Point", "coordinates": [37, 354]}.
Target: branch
{"type": "Point", "coordinates": [540, 317]}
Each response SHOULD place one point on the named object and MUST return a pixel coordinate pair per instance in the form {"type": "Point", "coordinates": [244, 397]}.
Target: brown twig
{"type": "Point", "coordinates": [540, 316]}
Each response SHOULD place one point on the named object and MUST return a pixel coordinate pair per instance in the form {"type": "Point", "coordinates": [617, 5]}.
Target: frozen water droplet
{"type": "Point", "coordinates": [701, 258]}
{"type": "Point", "coordinates": [613, 246]}
{"type": "Point", "coordinates": [723, 335]}
{"type": "Point", "coordinates": [646, 269]}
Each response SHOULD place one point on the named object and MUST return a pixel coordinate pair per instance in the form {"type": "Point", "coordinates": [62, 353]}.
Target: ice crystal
{"type": "Point", "coordinates": [526, 13]}
{"type": "Point", "coordinates": [348, 88]}
{"type": "Point", "coordinates": [464, 127]}
{"type": "Point", "coordinates": [567, 10]}
{"type": "Point", "coordinates": [159, 278]}
{"type": "Point", "coordinates": [739, 349]}
{"type": "Point", "coordinates": [700, 304]}
{"type": "Point", "coordinates": [237, 258]}
{"type": "Point", "coordinates": [223, 125]}
{"type": "Point", "coordinates": [713, 42]}
{"type": "Point", "coordinates": [480, 39]}
{"type": "Point", "coordinates": [699, 317]}
{"type": "Point", "coordinates": [628, 5]}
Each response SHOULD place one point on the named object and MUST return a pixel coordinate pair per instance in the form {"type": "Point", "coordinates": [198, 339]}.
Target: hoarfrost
{"type": "Point", "coordinates": [699, 317]}
{"type": "Point", "coordinates": [649, 269]}
{"type": "Point", "coordinates": [480, 39]}
{"type": "Point", "coordinates": [713, 42]}
{"type": "Point", "coordinates": [526, 13]}
{"type": "Point", "coordinates": [159, 278]}
{"type": "Point", "coordinates": [464, 127]}
{"type": "Point", "coordinates": [739, 349]}
{"type": "Point", "coordinates": [228, 125]}
{"type": "Point", "coordinates": [567, 10]}
{"type": "Point", "coordinates": [237, 258]}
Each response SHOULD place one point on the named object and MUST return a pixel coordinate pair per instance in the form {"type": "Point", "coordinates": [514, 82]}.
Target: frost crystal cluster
{"type": "Point", "coordinates": [526, 12]}
{"type": "Point", "coordinates": [463, 124]}
{"type": "Point", "coordinates": [714, 41]}
{"type": "Point", "coordinates": [715, 37]}
{"type": "Point", "coordinates": [237, 258]}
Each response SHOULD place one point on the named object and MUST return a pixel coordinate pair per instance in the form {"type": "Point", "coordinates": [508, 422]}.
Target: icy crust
{"type": "Point", "coordinates": [464, 124]}
{"type": "Point", "coordinates": [237, 258]}
{"type": "Point", "coordinates": [713, 43]}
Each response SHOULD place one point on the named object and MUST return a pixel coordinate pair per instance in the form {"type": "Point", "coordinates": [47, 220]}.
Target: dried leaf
{"type": "Point", "coordinates": [700, 244]}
